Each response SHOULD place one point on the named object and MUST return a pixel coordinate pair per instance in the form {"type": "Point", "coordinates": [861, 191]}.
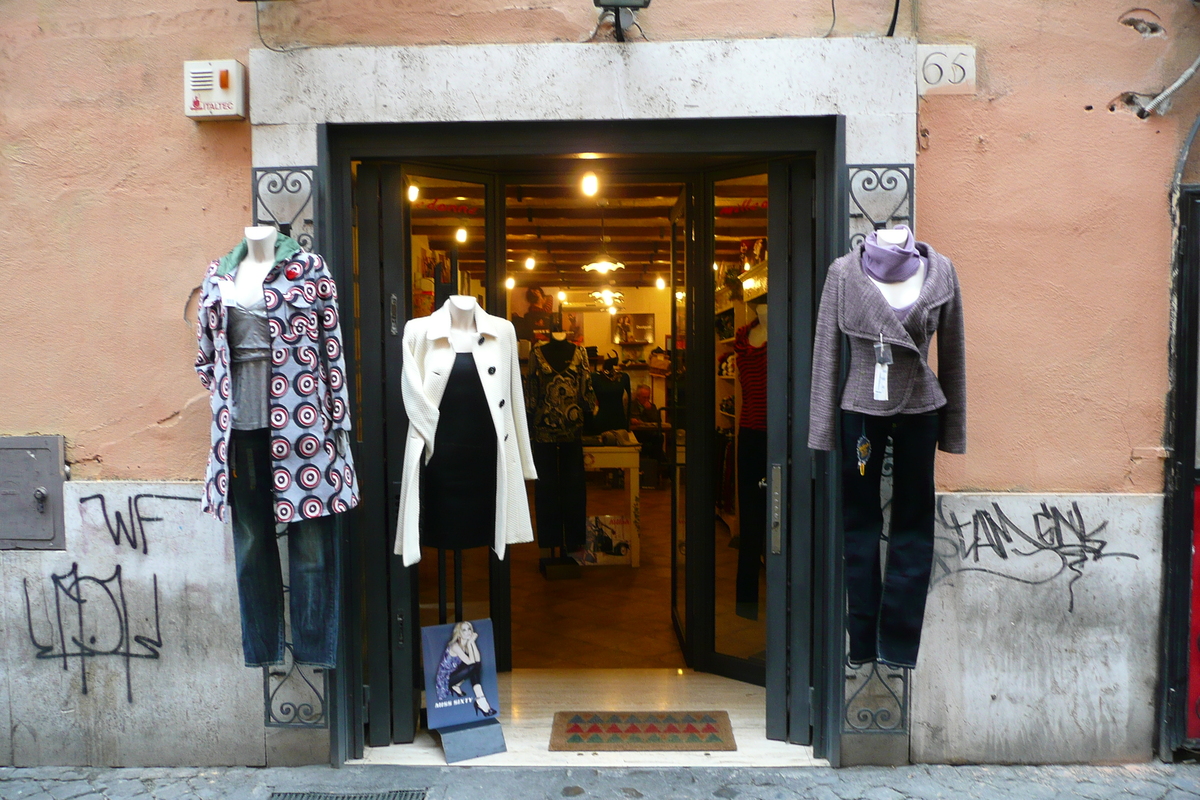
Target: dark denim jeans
{"type": "Point", "coordinates": [313, 587]}
{"type": "Point", "coordinates": [560, 495]}
{"type": "Point", "coordinates": [886, 607]}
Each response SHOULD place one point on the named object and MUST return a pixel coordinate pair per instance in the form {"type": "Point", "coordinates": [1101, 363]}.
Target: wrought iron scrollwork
{"type": "Point", "coordinates": [294, 695]}
{"type": "Point", "coordinates": [877, 700]}
{"type": "Point", "coordinates": [875, 695]}
{"type": "Point", "coordinates": [881, 195]}
{"type": "Point", "coordinates": [283, 197]}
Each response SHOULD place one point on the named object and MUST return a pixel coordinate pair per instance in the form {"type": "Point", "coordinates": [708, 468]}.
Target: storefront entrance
{"type": "Point", "coordinates": [704, 574]}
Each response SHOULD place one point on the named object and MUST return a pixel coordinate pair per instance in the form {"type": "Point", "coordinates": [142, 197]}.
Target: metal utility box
{"type": "Point", "coordinates": [214, 90]}
{"type": "Point", "coordinates": [31, 493]}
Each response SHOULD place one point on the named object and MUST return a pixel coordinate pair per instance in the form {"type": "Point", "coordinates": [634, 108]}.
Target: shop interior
{"type": "Point", "coordinates": [595, 259]}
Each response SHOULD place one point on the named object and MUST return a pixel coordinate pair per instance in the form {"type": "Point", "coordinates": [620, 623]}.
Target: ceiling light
{"type": "Point", "coordinates": [511, 283]}
{"type": "Point", "coordinates": [591, 184]}
{"type": "Point", "coordinates": [589, 156]}
{"type": "Point", "coordinates": [414, 192]}
{"type": "Point", "coordinates": [608, 298]}
{"type": "Point", "coordinates": [679, 296]}
{"type": "Point", "coordinates": [603, 264]}
{"type": "Point", "coordinates": [530, 262]}
{"type": "Point", "coordinates": [461, 235]}
{"type": "Point", "coordinates": [562, 297]}
{"type": "Point", "coordinates": [612, 310]}
{"type": "Point", "coordinates": [715, 266]}
{"type": "Point", "coordinates": [660, 283]}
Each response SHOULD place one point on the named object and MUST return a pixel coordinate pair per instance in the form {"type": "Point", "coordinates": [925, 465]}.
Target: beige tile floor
{"type": "Point", "coordinates": [606, 641]}
{"type": "Point", "coordinates": [530, 697]}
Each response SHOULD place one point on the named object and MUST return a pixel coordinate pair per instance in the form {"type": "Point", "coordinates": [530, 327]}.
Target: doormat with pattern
{"type": "Point", "coordinates": [642, 730]}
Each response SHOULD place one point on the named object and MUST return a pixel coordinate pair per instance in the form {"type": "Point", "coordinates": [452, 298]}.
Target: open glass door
{"type": "Point", "coordinates": [426, 233]}
{"type": "Point", "coordinates": [750, 225]}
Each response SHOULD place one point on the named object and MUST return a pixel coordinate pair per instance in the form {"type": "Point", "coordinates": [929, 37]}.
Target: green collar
{"type": "Point", "coordinates": [285, 248]}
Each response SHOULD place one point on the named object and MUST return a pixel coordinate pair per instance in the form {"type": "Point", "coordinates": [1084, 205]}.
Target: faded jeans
{"type": "Point", "coordinates": [886, 603]}
{"type": "Point", "coordinates": [313, 587]}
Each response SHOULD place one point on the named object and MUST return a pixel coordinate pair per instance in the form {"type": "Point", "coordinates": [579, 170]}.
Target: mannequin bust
{"type": "Point", "coordinates": [903, 293]}
{"type": "Point", "coordinates": [253, 269]}
{"type": "Point", "coordinates": [757, 335]}
{"type": "Point", "coordinates": [462, 321]}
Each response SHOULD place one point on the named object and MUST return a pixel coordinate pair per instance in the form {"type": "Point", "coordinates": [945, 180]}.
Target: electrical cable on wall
{"type": "Point", "coordinates": [832, 25]}
{"type": "Point", "coordinates": [895, 16]}
{"type": "Point", "coordinates": [1170, 90]}
{"type": "Point", "coordinates": [258, 27]}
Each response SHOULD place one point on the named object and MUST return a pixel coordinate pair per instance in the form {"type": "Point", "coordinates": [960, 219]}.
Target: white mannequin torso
{"type": "Point", "coordinates": [757, 335]}
{"type": "Point", "coordinates": [462, 322]}
{"type": "Point", "coordinates": [901, 294]}
{"type": "Point", "coordinates": [253, 269]}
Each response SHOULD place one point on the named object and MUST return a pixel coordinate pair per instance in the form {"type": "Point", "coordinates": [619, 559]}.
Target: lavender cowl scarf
{"type": "Point", "coordinates": [891, 263]}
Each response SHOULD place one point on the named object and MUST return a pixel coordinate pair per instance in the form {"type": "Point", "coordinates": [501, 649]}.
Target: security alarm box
{"type": "Point", "coordinates": [214, 90]}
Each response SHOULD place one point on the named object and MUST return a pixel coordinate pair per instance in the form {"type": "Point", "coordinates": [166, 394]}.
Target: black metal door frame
{"type": "Point", "coordinates": [344, 148]}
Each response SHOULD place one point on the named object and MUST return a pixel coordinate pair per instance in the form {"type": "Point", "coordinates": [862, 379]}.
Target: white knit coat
{"type": "Point", "coordinates": [428, 360]}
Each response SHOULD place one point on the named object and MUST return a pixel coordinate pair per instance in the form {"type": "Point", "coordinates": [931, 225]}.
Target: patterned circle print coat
{"type": "Point", "coordinates": [312, 469]}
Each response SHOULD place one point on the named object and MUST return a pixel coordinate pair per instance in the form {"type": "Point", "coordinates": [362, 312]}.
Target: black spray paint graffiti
{"type": "Point", "coordinates": [92, 620]}
{"type": "Point", "coordinates": [1064, 534]}
{"type": "Point", "coordinates": [135, 528]}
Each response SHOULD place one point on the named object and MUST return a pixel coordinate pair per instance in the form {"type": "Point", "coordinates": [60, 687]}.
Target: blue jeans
{"type": "Point", "coordinates": [886, 606]}
{"type": "Point", "coordinates": [313, 588]}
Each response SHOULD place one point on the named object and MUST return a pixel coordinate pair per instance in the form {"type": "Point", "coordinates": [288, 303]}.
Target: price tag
{"type": "Point", "coordinates": [881, 372]}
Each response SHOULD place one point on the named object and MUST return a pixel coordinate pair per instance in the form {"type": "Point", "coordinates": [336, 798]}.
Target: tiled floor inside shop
{"type": "Point", "coordinates": [605, 641]}
{"type": "Point", "coordinates": [530, 697]}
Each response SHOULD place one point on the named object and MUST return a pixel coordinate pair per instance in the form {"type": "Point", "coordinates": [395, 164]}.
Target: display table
{"type": "Point", "coordinates": [626, 459]}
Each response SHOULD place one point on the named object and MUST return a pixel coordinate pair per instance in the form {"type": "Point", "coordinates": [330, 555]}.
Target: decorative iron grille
{"type": "Point", "coordinates": [284, 197]}
{"type": "Point", "coordinates": [875, 696]}
{"type": "Point", "coordinates": [881, 195]}
{"type": "Point", "coordinates": [294, 695]}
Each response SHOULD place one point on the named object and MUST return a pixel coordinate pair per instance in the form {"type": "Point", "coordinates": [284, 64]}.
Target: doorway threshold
{"type": "Point", "coordinates": [529, 699]}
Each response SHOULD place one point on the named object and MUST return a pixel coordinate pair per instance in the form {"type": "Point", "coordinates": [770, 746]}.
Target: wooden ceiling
{"type": "Point", "coordinates": [560, 227]}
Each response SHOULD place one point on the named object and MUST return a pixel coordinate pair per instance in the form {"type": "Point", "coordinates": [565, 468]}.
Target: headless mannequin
{"type": "Point", "coordinates": [462, 336]}
{"type": "Point", "coordinates": [253, 269]}
{"type": "Point", "coordinates": [558, 351]}
{"type": "Point", "coordinates": [901, 294]}
{"type": "Point", "coordinates": [462, 321]}
{"type": "Point", "coordinates": [758, 334]}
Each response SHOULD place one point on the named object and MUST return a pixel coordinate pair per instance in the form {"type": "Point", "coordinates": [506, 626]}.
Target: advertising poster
{"type": "Point", "coordinates": [608, 540]}
{"type": "Point", "coordinates": [460, 673]}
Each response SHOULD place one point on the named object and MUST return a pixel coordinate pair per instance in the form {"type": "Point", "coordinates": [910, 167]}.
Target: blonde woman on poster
{"type": "Point", "coordinates": [461, 663]}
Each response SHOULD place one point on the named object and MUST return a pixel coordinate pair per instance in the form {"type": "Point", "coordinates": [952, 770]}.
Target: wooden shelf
{"type": "Point", "coordinates": [726, 413]}
{"type": "Point", "coordinates": [727, 377]}
{"type": "Point", "coordinates": [730, 340]}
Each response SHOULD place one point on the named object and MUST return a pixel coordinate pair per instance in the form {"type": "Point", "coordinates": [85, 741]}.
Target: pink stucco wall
{"type": "Point", "coordinates": [111, 203]}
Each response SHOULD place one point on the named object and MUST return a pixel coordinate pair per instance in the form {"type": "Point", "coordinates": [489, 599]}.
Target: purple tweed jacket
{"type": "Point", "coordinates": [852, 305]}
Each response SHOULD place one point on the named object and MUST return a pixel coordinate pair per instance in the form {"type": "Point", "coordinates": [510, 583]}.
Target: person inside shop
{"type": "Point", "coordinates": [645, 421]}
{"type": "Point", "coordinates": [888, 296]}
{"type": "Point", "coordinates": [270, 354]}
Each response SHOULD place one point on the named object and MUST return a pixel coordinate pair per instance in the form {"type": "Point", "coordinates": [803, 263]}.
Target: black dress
{"type": "Point", "coordinates": [458, 485]}
{"type": "Point", "coordinates": [611, 398]}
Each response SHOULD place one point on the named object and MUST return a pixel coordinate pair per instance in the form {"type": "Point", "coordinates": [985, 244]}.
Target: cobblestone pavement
{"type": "Point", "coordinates": [1150, 781]}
